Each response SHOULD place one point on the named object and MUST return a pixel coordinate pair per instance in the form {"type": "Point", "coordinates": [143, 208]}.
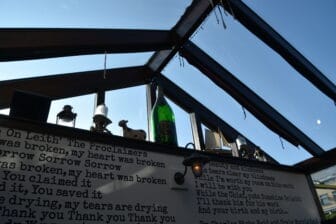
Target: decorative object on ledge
{"type": "Point", "coordinates": [131, 133]}
{"type": "Point", "coordinates": [163, 121]}
{"type": "Point", "coordinates": [197, 162]}
{"type": "Point", "coordinates": [100, 120]}
{"type": "Point", "coordinates": [66, 117]}
{"type": "Point", "coordinates": [248, 151]}
{"type": "Point", "coordinates": [241, 142]}
{"type": "Point", "coordinates": [29, 106]}
{"type": "Point", "coordinates": [259, 155]}
{"type": "Point", "coordinates": [243, 148]}
{"type": "Point", "coordinates": [212, 140]}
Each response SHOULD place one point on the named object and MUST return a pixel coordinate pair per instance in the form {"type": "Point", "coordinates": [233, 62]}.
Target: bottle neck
{"type": "Point", "coordinates": [160, 92]}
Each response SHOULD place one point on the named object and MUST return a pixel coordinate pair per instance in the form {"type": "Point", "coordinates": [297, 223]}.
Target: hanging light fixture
{"type": "Point", "coordinates": [196, 161]}
{"type": "Point", "coordinates": [66, 117]}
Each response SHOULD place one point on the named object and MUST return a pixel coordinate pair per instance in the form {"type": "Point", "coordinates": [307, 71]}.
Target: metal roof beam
{"type": "Point", "coordinates": [190, 105]}
{"type": "Point", "coordinates": [75, 84]}
{"type": "Point", "coordinates": [185, 27]}
{"type": "Point", "coordinates": [251, 101]}
{"type": "Point", "coordinates": [35, 43]}
{"type": "Point", "coordinates": [273, 39]}
{"type": "Point", "coordinates": [208, 118]}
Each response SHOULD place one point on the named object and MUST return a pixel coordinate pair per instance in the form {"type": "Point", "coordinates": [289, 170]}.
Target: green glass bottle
{"type": "Point", "coordinates": [163, 121]}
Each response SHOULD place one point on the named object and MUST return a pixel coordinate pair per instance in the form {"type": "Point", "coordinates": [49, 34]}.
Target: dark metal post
{"type": "Point", "coordinates": [99, 98]}
{"type": "Point", "coordinates": [151, 97]}
{"type": "Point", "coordinates": [234, 149]}
{"type": "Point", "coordinates": [315, 196]}
{"type": "Point", "coordinates": [197, 131]}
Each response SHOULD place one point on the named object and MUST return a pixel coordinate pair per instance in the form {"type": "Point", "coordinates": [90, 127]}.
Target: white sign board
{"type": "Point", "coordinates": [53, 179]}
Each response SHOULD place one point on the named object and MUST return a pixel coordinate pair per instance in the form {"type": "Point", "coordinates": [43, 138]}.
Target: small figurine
{"type": "Point", "coordinates": [131, 133]}
{"type": "Point", "coordinates": [100, 120]}
{"type": "Point", "coordinates": [66, 116]}
{"type": "Point", "coordinates": [259, 155]}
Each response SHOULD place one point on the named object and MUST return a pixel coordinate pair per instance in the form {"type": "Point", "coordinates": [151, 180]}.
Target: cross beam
{"type": "Point", "coordinates": [35, 43]}
{"type": "Point", "coordinates": [75, 84]}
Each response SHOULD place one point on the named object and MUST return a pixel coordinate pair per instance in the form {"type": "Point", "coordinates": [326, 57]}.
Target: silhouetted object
{"type": "Point", "coordinates": [259, 155]}
{"type": "Point", "coordinates": [29, 106]}
{"type": "Point", "coordinates": [243, 148]}
{"type": "Point", "coordinates": [66, 117]}
{"type": "Point", "coordinates": [131, 133]}
{"type": "Point", "coordinates": [100, 120]}
{"type": "Point", "coordinates": [241, 142]}
{"type": "Point", "coordinates": [248, 151]}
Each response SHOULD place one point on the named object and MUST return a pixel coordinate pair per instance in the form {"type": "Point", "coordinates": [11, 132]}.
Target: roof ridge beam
{"type": "Point", "coordinates": [182, 31]}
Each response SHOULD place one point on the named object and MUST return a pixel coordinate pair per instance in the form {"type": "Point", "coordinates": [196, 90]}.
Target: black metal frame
{"type": "Point", "coordinates": [23, 44]}
{"type": "Point", "coordinates": [65, 42]}
{"type": "Point", "coordinates": [184, 28]}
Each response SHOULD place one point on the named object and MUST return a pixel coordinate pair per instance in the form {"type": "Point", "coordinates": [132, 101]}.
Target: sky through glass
{"type": "Point", "coordinates": [308, 25]}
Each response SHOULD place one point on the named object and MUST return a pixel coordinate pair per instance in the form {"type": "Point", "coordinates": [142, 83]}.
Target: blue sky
{"type": "Point", "coordinates": [309, 25]}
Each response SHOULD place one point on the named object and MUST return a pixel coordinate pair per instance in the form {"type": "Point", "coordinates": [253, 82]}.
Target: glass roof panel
{"type": "Point", "coordinates": [271, 77]}
{"type": "Point", "coordinates": [235, 48]}
{"type": "Point", "coordinates": [125, 14]}
{"type": "Point", "coordinates": [54, 66]}
{"type": "Point", "coordinates": [196, 84]}
{"type": "Point", "coordinates": [308, 25]}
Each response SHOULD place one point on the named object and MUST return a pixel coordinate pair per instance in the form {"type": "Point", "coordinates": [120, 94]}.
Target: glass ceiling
{"type": "Point", "coordinates": [307, 25]}
{"type": "Point", "coordinates": [271, 77]}
{"type": "Point", "coordinates": [223, 105]}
